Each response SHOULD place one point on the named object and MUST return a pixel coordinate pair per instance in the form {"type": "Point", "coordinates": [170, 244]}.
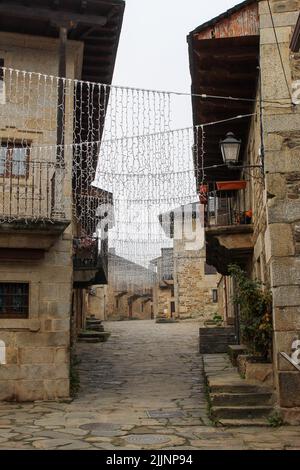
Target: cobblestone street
{"type": "Point", "coordinates": [143, 389]}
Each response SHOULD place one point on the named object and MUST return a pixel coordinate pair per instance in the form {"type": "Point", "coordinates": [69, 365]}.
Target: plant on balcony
{"type": "Point", "coordinates": [255, 305]}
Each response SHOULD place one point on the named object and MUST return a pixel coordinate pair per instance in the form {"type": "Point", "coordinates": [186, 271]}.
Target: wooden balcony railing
{"type": "Point", "coordinates": [27, 191]}
{"type": "Point", "coordinates": [86, 253]}
{"type": "Point", "coordinates": [227, 208]}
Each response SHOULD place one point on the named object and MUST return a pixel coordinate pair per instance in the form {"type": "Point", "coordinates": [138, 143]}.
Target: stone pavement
{"type": "Point", "coordinates": [143, 389]}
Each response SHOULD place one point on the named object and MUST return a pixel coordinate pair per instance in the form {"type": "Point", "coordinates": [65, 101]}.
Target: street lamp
{"type": "Point", "coordinates": [230, 148]}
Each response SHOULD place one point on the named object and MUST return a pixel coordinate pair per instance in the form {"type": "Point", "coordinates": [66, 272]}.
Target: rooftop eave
{"type": "Point", "coordinates": [217, 19]}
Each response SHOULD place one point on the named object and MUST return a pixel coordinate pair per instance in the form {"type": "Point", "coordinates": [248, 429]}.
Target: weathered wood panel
{"type": "Point", "coordinates": [241, 23]}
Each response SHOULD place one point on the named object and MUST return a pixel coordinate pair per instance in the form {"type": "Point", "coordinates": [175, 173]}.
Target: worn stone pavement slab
{"type": "Point", "coordinates": [143, 389]}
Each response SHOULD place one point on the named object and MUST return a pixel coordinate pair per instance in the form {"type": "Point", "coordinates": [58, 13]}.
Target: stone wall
{"type": "Point", "coordinates": [225, 300]}
{"type": "Point", "coordinates": [97, 302]}
{"type": "Point", "coordinates": [142, 310]}
{"type": "Point", "coordinates": [117, 306]}
{"type": "Point", "coordinates": [37, 347]}
{"type": "Point", "coordinates": [275, 199]}
{"type": "Point", "coordinates": [282, 165]}
{"type": "Point", "coordinates": [193, 289]}
{"type": "Point", "coordinates": [162, 298]}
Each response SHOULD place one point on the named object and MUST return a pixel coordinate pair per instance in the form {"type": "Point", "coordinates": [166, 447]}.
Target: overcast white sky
{"type": "Point", "coordinates": [153, 49]}
{"type": "Point", "coordinates": [153, 54]}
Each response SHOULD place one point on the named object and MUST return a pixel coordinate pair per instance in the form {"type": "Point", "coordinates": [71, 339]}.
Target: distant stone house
{"type": "Point", "coordinates": [42, 272]}
{"type": "Point", "coordinates": [194, 283]}
{"type": "Point", "coordinates": [129, 291]}
{"type": "Point", "coordinates": [252, 210]}
{"type": "Point", "coordinates": [163, 290]}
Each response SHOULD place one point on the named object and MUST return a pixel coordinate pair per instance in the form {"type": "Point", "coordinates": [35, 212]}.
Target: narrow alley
{"type": "Point", "coordinates": [143, 389]}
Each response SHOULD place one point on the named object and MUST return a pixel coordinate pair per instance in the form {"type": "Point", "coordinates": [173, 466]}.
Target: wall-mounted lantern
{"type": "Point", "coordinates": [230, 148]}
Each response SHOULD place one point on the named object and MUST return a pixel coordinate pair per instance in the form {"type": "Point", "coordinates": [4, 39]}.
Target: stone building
{"type": "Point", "coordinates": [193, 289]}
{"type": "Point", "coordinates": [253, 210]}
{"type": "Point", "coordinates": [163, 290]}
{"type": "Point", "coordinates": [39, 127]}
{"type": "Point", "coordinates": [129, 290]}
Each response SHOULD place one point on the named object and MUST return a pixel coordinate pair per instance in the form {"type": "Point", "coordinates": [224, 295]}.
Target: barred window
{"type": "Point", "coordinates": [13, 160]}
{"type": "Point", "coordinates": [14, 300]}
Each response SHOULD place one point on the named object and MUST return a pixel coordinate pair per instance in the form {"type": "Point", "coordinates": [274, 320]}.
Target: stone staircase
{"type": "Point", "coordinates": [94, 332]}
{"type": "Point", "coordinates": [94, 324]}
{"type": "Point", "coordinates": [233, 400]}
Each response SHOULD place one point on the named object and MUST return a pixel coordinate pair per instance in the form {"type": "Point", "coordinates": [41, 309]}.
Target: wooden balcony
{"type": "Point", "coordinates": [166, 280]}
{"type": "Point", "coordinates": [28, 220]}
{"type": "Point", "coordinates": [89, 262]}
{"type": "Point", "coordinates": [228, 228]}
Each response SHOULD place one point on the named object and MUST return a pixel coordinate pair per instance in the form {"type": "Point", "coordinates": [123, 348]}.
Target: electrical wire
{"type": "Point", "coordinates": [105, 86]}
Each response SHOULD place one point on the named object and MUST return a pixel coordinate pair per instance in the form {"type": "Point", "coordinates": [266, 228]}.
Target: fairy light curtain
{"type": "Point", "coordinates": [120, 148]}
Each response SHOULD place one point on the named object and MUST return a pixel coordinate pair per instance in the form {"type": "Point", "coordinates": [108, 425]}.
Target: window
{"type": "Point", "coordinates": [215, 296]}
{"type": "Point", "coordinates": [2, 84]}
{"type": "Point", "coordinates": [14, 300]}
{"type": "Point", "coordinates": [14, 159]}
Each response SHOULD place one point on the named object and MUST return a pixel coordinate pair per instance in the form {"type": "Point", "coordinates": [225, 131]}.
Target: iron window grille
{"type": "Point", "coordinates": [14, 159]}
{"type": "Point", "coordinates": [14, 300]}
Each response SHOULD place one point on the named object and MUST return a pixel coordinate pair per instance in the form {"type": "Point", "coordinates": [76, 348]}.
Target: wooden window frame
{"type": "Point", "coordinates": [8, 295]}
{"type": "Point", "coordinates": [9, 161]}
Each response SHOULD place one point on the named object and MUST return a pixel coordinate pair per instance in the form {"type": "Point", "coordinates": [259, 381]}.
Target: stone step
{"type": "Point", "coordinates": [90, 340]}
{"type": "Point", "coordinates": [241, 399]}
{"type": "Point", "coordinates": [236, 350]}
{"type": "Point", "coordinates": [93, 322]}
{"type": "Point", "coordinates": [93, 336]}
{"type": "Point", "coordinates": [235, 386]}
{"type": "Point", "coordinates": [166, 320]}
{"type": "Point", "coordinates": [257, 422]}
{"type": "Point", "coordinates": [97, 327]}
{"type": "Point", "coordinates": [241, 412]}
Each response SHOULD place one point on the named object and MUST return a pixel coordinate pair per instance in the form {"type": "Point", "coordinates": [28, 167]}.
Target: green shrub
{"type": "Point", "coordinates": [218, 319]}
{"type": "Point", "coordinates": [255, 304]}
{"type": "Point", "coordinates": [275, 420]}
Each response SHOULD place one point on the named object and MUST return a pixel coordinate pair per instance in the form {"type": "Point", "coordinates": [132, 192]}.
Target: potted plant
{"type": "Point", "coordinates": [255, 307]}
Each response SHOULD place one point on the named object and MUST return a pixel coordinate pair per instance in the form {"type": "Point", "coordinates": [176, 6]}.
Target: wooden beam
{"type": "Point", "coordinates": [18, 254]}
{"type": "Point", "coordinates": [54, 16]}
